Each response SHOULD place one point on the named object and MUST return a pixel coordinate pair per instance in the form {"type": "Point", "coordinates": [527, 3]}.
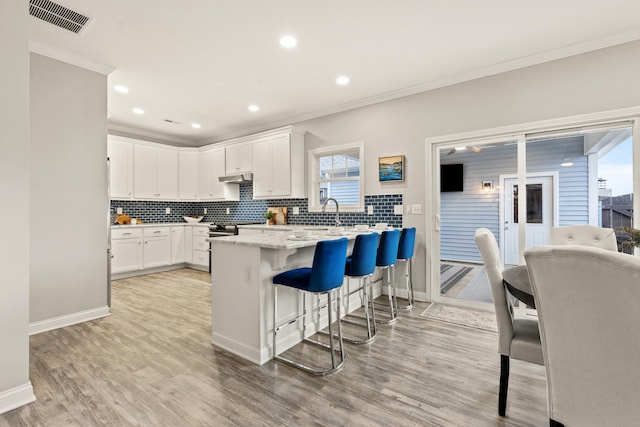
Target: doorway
{"type": "Point", "coordinates": [541, 203]}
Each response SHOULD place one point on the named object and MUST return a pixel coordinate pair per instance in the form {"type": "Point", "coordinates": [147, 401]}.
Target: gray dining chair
{"type": "Point", "coordinates": [587, 302]}
{"type": "Point", "coordinates": [584, 235]}
{"type": "Point", "coordinates": [517, 338]}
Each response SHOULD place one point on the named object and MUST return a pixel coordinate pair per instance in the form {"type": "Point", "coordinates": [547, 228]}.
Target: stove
{"type": "Point", "coordinates": [221, 230]}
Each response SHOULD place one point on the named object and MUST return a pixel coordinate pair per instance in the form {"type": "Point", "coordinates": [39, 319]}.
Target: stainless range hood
{"type": "Point", "coordinates": [242, 178]}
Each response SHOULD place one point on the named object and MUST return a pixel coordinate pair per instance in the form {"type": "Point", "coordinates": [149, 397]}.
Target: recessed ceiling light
{"type": "Point", "coordinates": [254, 108]}
{"type": "Point", "coordinates": [196, 125]}
{"type": "Point", "coordinates": [288, 41]}
{"type": "Point", "coordinates": [121, 89]}
{"type": "Point", "coordinates": [342, 80]}
{"type": "Point", "coordinates": [138, 111]}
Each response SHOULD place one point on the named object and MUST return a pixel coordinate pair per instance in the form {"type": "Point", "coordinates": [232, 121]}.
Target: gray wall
{"type": "Point", "coordinates": [68, 189]}
{"type": "Point", "coordinates": [15, 388]}
{"type": "Point", "coordinates": [598, 81]}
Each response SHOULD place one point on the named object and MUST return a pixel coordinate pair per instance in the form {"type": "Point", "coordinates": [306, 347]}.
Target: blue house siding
{"type": "Point", "coordinates": [461, 213]}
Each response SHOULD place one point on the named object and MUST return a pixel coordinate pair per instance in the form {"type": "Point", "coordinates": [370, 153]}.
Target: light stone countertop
{"type": "Point", "coordinates": [161, 224]}
{"type": "Point", "coordinates": [288, 241]}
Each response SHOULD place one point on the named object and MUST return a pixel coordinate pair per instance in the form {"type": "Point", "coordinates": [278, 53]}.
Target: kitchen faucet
{"type": "Point", "coordinates": [324, 208]}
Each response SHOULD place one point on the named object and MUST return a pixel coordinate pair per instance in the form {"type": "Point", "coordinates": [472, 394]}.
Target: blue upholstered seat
{"type": "Point", "coordinates": [325, 276]}
{"type": "Point", "coordinates": [361, 265]}
{"type": "Point", "coordinates": [386, 260]}
{"type": "Point", "coordinates": [405, 253]}
{"type": "Point", "coordinates": [326, 273]}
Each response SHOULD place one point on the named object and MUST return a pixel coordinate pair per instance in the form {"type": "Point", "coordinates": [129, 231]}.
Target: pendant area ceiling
{"type": "Point", "coordinates": [206, 62]}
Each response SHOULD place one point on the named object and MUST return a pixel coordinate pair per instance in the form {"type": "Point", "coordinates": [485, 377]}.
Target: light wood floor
{"type": "Point", "coordinates": [151, 363]}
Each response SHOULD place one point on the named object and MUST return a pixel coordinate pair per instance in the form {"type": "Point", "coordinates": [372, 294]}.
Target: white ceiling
{"type": "Point", "coordinates": [206, 61]}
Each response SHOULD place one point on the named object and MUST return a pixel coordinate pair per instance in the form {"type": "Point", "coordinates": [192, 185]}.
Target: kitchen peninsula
{"type": "Point", "coordinates": [242, 268]}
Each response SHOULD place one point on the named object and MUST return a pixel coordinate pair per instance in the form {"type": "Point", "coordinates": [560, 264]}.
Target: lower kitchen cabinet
{"type": "Point", "coordinates": [157, 246]}
{"type": "Point", "coordinates": [127, 251]}
{"type": "Point", "coordinates": [200, 246]}
{"type": "Point", "coordinates": [177, 244]}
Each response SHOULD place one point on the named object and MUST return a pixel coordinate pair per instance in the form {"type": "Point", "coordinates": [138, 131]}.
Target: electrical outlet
{"type": "Point", "coordinates": [296, 210]}
{"type": "Point", "coordinates": [119, 211]}
{"type": "Point", "coordinates": [397, 209]}
{"type": "Point", "coordinates": [370, 210]}
{"type": "Point", "coordinates": [167, 211]}
{"type": "Point", "coordinates": [227, 211]}
{"type": "Point", "coordinates": [205, 211]}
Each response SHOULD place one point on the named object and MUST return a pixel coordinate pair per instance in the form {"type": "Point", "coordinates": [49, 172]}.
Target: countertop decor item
{"type": "Point", "coordinates": [192, 219]}
{"type": "Point", "coordinates": [391, 168]}
{"type": "Point", "coordinates": [279, 215]}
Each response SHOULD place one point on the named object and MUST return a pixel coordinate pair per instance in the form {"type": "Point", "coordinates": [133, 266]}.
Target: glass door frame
{"type": "Point", "coordinates": [519, 133]}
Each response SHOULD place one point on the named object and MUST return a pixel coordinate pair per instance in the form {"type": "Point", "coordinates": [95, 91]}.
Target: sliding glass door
{"type": "Point", "coordinates": [519, 186]}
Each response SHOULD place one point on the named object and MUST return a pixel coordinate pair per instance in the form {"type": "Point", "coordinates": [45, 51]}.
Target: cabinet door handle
{"type": "Point", "coordinates": [156, 232]}
{"type": "Point", "coordinates": [125, 234]}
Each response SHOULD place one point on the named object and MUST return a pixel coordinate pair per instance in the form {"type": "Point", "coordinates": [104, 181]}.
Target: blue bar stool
{"type": "Point", "coordinates": [324, 277]}
{"type": "Point", "coordinates": [361, 265]}
{"type": "Point", "coordinates": [405, 253]}
{"type": "Point", "coordinates": [386, 260]}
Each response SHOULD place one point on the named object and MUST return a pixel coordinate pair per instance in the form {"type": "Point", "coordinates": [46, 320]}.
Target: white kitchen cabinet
{"type": "Point", "coordinates": [177, 244]}
{"type": "Point", "coordinates": [278, 166]}
{"type": "Point", "coordinates": [155, 172]}
{"type": "Point", "coordinates": [200, 246]}
{"type": "Point", "coordinates": [238, 158]}
{"type": "Point", "coordinates": [211, 166]}
{"type": "Point", "coordinates": [120, 168]}
{"type": "Point", "coordinates": [188, 175]}
{"type": "Point", "coordinates": [157, 246]}
{"type": "Point", "coordinates": [127, 250]}
{"type": "Point", "coordinates": [188, 244]}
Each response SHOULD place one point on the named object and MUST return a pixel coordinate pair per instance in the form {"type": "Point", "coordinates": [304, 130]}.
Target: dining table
{"type": "Point", "coordinates": [516, 279]}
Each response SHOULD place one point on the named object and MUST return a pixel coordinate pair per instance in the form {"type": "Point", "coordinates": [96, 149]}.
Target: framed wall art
{"type": "Point", "coordinates": [391, 168]}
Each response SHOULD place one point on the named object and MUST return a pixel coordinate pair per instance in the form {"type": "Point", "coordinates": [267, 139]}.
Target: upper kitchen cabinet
{"type": "Point", "coordinates": [155, 172]}
{"type": "Point", "coordinates": [120, 168]}
{"type": "Point", "coordinates": [278, 166]}
{"type": "Point", "coordinates": [238, 158]}
{"type": "Point", "coordinates": [188, 175]}
{"type": "Point", "coordinates": [211, 166]}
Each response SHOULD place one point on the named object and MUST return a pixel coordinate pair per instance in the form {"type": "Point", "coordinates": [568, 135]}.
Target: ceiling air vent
{"type": "Point", "coordinates": [57, 15]}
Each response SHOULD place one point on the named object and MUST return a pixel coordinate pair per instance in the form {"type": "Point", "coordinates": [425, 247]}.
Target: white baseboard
{"type": "Point", "coordinates": [16, 397]}
{"type": "Point", "coordinates": [68, 319]}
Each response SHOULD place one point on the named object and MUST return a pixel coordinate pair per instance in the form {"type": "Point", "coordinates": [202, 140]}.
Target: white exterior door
{"type": "Point", "coordinates": [539, 215]}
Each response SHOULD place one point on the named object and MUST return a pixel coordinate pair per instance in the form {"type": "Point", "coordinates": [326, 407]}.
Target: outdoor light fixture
{"type": "Point", "coordinates": [487, 186]}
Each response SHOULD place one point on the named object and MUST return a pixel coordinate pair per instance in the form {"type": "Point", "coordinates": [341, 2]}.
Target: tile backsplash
{"type": "Point", "coordinates": [247, 210]}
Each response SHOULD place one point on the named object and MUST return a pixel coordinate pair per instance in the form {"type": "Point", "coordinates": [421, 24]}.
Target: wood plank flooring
{"type": "Point", "coordinates": [151, 363]}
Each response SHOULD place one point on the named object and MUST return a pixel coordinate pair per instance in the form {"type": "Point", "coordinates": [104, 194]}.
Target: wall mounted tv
{"type": "Point", "coordinates": [451, 178]}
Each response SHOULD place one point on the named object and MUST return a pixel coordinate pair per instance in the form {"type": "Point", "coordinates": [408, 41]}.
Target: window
{"type": "Point", "coordinates": [335, 172]}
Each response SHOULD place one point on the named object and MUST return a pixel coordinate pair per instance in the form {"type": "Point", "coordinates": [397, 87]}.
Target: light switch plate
{"type": "Point", "coordinates": [397, 209]}
{"type": "Point", "coordinates": [296, 210]}
{"type": "Point", "coordinates": [119, 211]}
{"type": "Point", "coordinates": [227, 211]}
{"type": "Point", "coordinates": [205, 211]}
{"type": "Point", "coordinates": [416, 209]}
{"type": "Point", "coordinates": [167, 211]}
{"type": "Point", "coordinates": [370, 210]}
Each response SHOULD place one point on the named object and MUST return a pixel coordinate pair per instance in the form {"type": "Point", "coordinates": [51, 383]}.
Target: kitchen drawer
{"type": "Point", "coordinates": [201, 257]}
{"type": "Point", "coordinates": [200, 243]}
{"type": "Point", "coordinates": [125, 233]}
{"type": "Point", "coordinates": [200, 231]}
{"type": "Point", "coordinates": [156, 231]}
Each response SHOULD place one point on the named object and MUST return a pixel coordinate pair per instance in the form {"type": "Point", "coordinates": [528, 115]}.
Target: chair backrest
{"type": "Point", "coordinates": [490, 253]}
{"type": "Point", "coordinates": [362, 261]}
{"type": "Point", "coordinates": [407, 243]}
{"type": "Point", "coordinates": [327, 270]}
{"type": "Point", "coordinates": [585, 235]}
{"type": "Point", "coordinates": [388, 248]}
{"type": "Point", "coordinates": [587, 301]}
